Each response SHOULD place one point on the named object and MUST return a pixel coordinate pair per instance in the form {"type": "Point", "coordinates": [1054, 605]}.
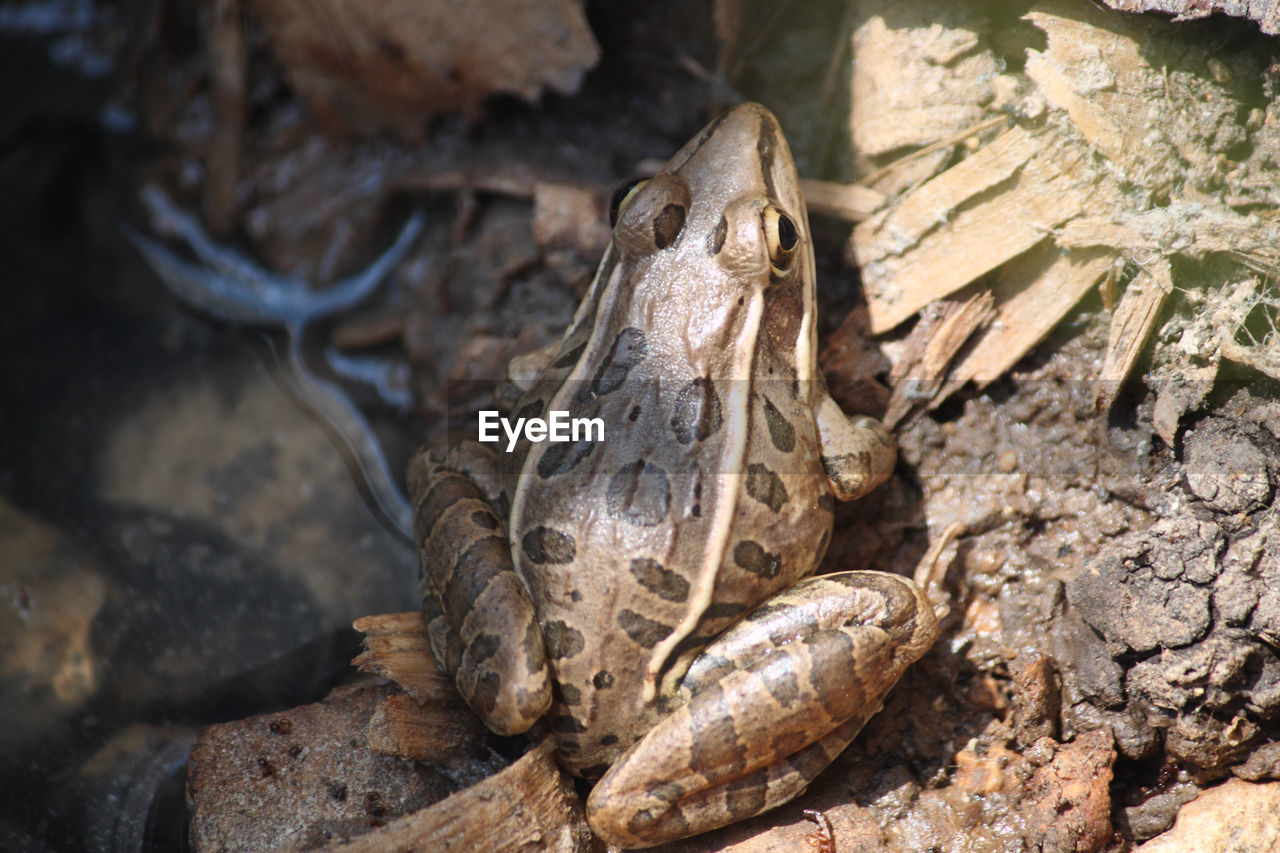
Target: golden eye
{"type": "Point", "coordinates": [781, 238]}
{"type": "Point", "coordinates": [623, 196]}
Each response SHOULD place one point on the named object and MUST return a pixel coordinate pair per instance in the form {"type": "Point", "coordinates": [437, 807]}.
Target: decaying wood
{"type": "Point", "coordinates": [528, 806]}
{"type": "Point", "coordinates": [850, 202]}
{"type": "Point", "coordinates": [914, 80]}
{"type": "Point", "coordinates": [1039, 212]}
{"type": "Point", "coordinates": [441, 734]}
{"type": "Point", "coordinates": [944, 327]}
{"type": "Point", "coordinates": [1131, 326]}
{"type": "Point", "coordinates": [395, 647]}
{"type": "Point", "coordinates": [939, 244]}
{"type": "Point", "coordinates": [1265, 12]}
{"type": "Point", "coordinates": [1032, 294]}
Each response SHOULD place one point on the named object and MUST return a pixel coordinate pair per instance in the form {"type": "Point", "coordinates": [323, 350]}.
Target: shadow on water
{"type": "Point", "coordinates": [169, 557]}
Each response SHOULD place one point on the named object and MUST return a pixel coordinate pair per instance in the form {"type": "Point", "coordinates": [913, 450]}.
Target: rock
{"type": "Point", "coordinates": [1236, 816]}
{"type": "Point", "coordinates": [1070, 807]}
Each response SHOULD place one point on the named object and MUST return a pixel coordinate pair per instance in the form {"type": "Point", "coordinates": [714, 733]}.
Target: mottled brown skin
{"type": "Point", "coordinates": [711, 493]}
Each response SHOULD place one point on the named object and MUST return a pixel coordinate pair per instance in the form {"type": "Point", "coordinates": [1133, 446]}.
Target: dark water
{"type": "Point", "coordinates": [178, 543]}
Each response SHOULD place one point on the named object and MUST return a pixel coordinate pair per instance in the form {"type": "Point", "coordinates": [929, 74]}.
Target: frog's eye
{"type": "Point", "coordinates": [623, 196]}
{"type": "Point", "coordinates": [781, 238]}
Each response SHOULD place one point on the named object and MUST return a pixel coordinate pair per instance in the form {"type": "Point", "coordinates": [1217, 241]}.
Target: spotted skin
{"type": "Point", "coordinates": [498, 662]}
{"type": "Point", "coordinates": [685, 658]}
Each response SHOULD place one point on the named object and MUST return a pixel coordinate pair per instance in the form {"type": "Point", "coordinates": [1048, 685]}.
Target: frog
{"type": "Point", "coordinates": [649, 596]}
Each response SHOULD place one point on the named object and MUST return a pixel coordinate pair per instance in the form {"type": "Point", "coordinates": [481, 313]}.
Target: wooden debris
{"type": "Point", "coordinates": [939, 243]}
{"type": "Point", "coordinates": [1265, 12]}
{"type": "Point", "coordinates": [439, 733]}
{"type": "Point", "coordinates": [850, 202]}
{"type": "Point", "coordinates": [1041, 211]}
{"type": "Point", "coordinates": [529, 806]}
{"type": "Point", "coordinates": [1186, 228]}
{"type": "Point", "coordinates": [1032, 295]}
{"type": "Point", "coordinates": [915, 81]}
{"type": "Point", "coordinates": [945, 326]}
{"type": "Point", "coordinates": [569, 217]}
{"type": "Point", "coordinates": [395, 647]}
{"type": "Point", "coordinates": [1131, 326]}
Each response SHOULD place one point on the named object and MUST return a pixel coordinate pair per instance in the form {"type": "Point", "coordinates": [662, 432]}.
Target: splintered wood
{"type": "Point", "coordinates": [1121, 128]}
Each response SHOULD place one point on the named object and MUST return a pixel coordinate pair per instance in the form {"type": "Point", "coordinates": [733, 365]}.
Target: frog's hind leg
{"type": "Point", "coordinates": [768, 706]}
{"type": "Point", "coordinates": [480, 620]}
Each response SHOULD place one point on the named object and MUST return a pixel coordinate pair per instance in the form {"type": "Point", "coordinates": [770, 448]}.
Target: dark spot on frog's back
{"type": "Point", "coordinates": [666, 584]}
{"type": "Point", "coordinates": [781, 433]}
{"type": "Point", "coordinates": [566, 693]}
{"type": "Point", "coordinates": [570, 358]}
{"type": "Point", "coordinates": [602, 680]}
{"type": "Point", "coordinates": [485, 696]}
{"type": "Point", "coordinates": [629, 349]}
{"type": "Point", "coordinates": [567, 724]}
{"type": "Point", "coordinates": [561, 457]}
{"type": "Point", "coordinates": [639, 493]}
{"type": "Point", "coordinates": [548, 545]}
{"type": "Point", "coordinates": [644, 631]}
{"type": "Point", "coordinates": [595, 771]}
{"type": "Point", "coordinates": [697, 411]}
{"type": "Point", "coordinates": [751, 557]}
{"type": "Point", "coordinates": [562, 640]}
{"type": "Point", "coordinates": [531, 409]}
{"type": "Point", "coordinates": [766, 486]}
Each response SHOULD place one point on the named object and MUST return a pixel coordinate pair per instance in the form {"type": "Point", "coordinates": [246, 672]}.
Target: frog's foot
{"type": "Point", "coordinates": [768, 706]}
{"type": "Point", "coordinates": [858, 453]}
{"type": "Point", "coordinates": [480, 621]}
{"type": "Point", "coordinates": [224, 283]}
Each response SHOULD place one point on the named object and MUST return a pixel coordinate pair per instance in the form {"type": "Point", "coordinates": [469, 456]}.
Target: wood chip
{"type": "Point", "coordinates": [441, 734]}
{"type": "Point", "coordinates": [1032, 296]}
{"type": "Point", "coordinates": [529, 806]}
{"type": "Point", "coordinates": [569, 217]}
{"type": "Point", "coordinates": [997, 227]}
{"type": "Point", "coordinates": [850, 202]}
{"type": "Point", "coordinates": [915, 79]}
{"type": "Point", "coordinates": [944, 328]}
{"type": "Point", "coordinates": [921, 211]}
{"type": "Point", "coordinates": [1131, 326]}
{"type": "Point", "coordinates": [395, 647]}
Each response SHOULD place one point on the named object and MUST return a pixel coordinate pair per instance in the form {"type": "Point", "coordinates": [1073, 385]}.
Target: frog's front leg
{"type": "Point", "coordinates": [480, 621]}
{"type": "Point", "coordinates": [858, 453]}
{"type": "Point", "coordinates": [767, 707]}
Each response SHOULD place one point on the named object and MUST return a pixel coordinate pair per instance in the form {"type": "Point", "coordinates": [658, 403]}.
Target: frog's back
{"type": "Point", "coordinates": [706, 494]}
